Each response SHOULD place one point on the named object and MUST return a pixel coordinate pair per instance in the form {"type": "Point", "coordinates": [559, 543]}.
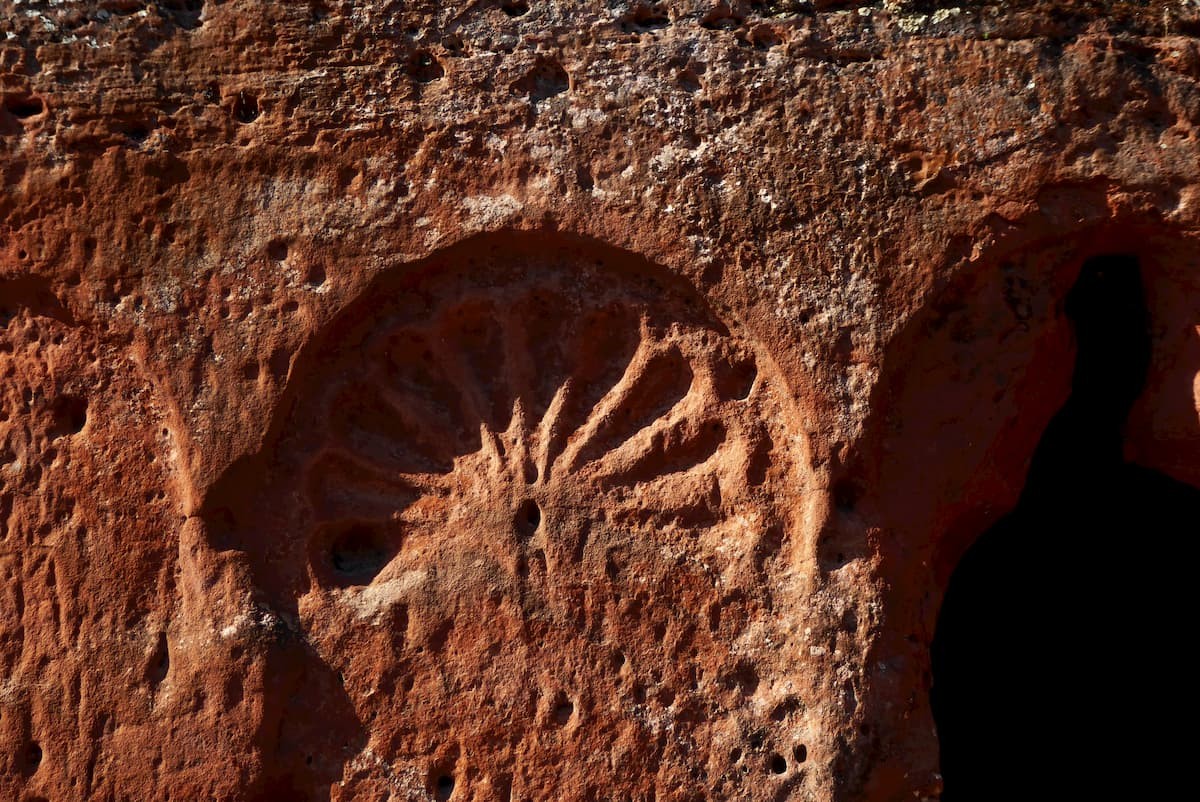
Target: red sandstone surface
{"type": "Point", "coordinates": [545, 400]}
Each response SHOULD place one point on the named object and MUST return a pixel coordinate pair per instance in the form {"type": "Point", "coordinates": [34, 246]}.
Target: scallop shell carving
{"type": "Point", "coordinates": [550, 468]}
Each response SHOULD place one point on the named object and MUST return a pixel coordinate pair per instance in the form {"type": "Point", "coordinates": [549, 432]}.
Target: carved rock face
{"type": "Point", "coordinates": [555, 399]}
{"type": "Point", "coordinates": [537, 508]}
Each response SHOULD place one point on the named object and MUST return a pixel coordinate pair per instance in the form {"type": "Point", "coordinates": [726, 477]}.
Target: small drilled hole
{"type": "Point", "coordinates": [33, 756]}
{"type": "Point", "coordinates": [246, 109]}
{"type": "Point", "coordinates": [515, 8]}
{"type": "Point", "coordinates": [277, 249]}
{"type": "Point", "coordinates": [443, 787]}
{"type": "Point", "coordinates": [70, 416]}
{"type": "Point", "coordinates": [778, 764]}
{"type": "Point", "coordinates": [424, 68]}
{"type": "Point", "coordinates": [316, 275]}
{"type": "Point", "coordinates": [800, 753]}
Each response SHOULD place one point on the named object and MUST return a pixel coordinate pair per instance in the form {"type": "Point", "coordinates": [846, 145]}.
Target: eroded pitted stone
{"type": "Point", "coordinates": [543, 514]}
{"type": "Point", "coordinates": [874, 209]}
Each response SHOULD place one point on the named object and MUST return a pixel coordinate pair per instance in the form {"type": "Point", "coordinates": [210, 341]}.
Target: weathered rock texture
{"type": "Point", "coordinates": [544, 400]}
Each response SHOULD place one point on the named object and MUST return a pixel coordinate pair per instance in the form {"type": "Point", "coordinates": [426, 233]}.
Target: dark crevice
{"type": "Point", "coordinates": [24, 107]}
{"type": "Point", "coordinates": [359, 552]}
{"type": "Point", "coordinates": [34, 294]}
{"type": "Point", "coordinates": [1036, 663]}
{"type": "Point", "coordinates": [514, 8]}
{"type": "Point", "coordinates": [246, 108]}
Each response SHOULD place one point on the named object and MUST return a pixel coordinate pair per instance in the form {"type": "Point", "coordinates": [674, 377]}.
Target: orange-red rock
{"type": "Point", "coordinates": [544, 400]}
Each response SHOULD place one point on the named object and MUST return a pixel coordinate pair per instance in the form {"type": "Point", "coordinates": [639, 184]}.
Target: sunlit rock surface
{"type": "Point", "coordinates": [542, 400]}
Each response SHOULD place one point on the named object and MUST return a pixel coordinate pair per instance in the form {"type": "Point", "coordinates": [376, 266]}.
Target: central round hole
{"type": "Point", "coordinates": [529, 517]}
{"type": "Point", "coordinates": [563, 711]}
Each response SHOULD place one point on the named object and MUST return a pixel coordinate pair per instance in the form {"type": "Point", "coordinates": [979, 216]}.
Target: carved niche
{"type": "Point", "coordinates": [535, 504]}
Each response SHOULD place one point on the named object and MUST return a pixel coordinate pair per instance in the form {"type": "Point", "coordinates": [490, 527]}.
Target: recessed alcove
{"type": "Point", "coordinates": [1044, 658]}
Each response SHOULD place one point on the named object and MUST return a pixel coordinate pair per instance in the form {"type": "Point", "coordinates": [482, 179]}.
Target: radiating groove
{"type": "Point", "coordinates": [438, 436]}
{"type": "Point", "coordinates": [690, 500]}
{"type": "Point", "coordinates": [467, 402]}
{"type": "Point", "coordinates": [501, 378]}
{"type": "Point", "coordinates": [341, 486]}
{"type": "Point", "coordinates": [492, 446]}
{"type": "Point", "coordinates": [550, 433]}
{"type": "Point", "coordinates": [546, 330]}
{"type": "Point", "coordinates": [675, 444]}
{"type": "Point", "coordinates": [522, 370]}
{"type": "Point", "coordinates": [367, 424]}
{"type": "Point", "coordinates": [415, 377]}
{"type": "Point", "coordinates": [354, 463]}
{"type": "Point", "coordinates": [373, 420]}
{"type": "Point", "coordinates": [471, 346]}
{"type": "Point", "coordinates": [521, 459]}
{"type": "Point", "coordinates": [602, 352]}
{"type": "Point", "coordinates": [651, 387]}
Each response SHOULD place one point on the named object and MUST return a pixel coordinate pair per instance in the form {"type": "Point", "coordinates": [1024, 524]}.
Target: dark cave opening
{"type": "Point", "coordinates": [1047, 669]}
